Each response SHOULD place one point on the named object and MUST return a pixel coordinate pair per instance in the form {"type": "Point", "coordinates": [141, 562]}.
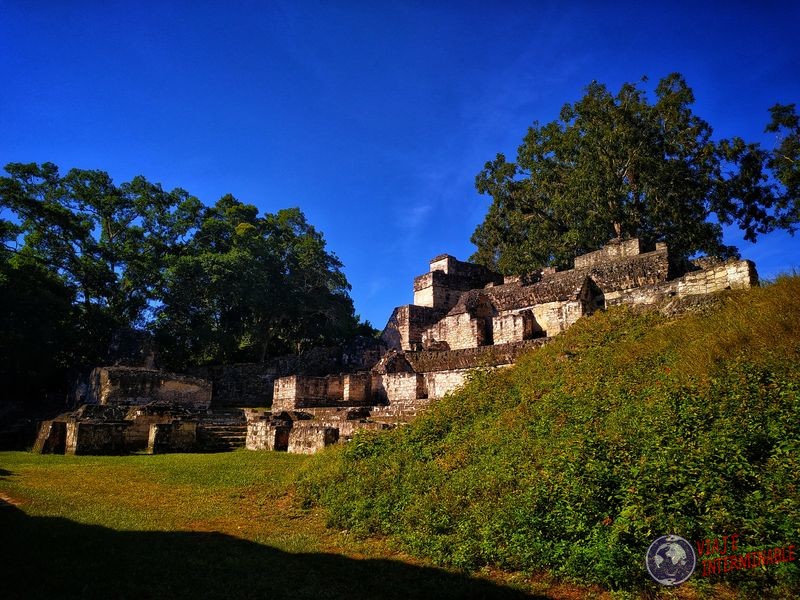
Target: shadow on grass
{"type": "Point", "coordinates": [49, 557]}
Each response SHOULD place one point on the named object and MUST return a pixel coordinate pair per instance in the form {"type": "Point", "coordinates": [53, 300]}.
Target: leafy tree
{"type": "Point", "coordinates": [38, 328]}
{"type": "Point", "coordinates": [784, 161]}
{"type": "Point", "coordinates": [249, 287]}
{"type": "Point", "coordinates": [620, 166]}
{"type": "Point", "coordinates": [104, 242]}
{"type": "Point", "coordinates": [83, 259]}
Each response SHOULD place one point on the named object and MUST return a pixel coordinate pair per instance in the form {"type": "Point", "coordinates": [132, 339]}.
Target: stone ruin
{"type": "Point", "coordinates": [464, 316]}
{"type": "Point", "coordinates": [133, 409]}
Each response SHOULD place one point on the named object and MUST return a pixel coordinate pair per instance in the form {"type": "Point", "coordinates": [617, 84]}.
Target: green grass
{"type": "Point", "coordinates": [193, 526]}
{"type": "Point", "coordinates": [560, 469]}
{"type": "Point", "coordinates": [626, 427]}
{"type": "Point", "coordinates": [148, 492]}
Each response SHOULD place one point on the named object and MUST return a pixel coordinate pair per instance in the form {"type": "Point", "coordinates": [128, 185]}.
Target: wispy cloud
{"type": "Point", "coordinates": [412, 218]}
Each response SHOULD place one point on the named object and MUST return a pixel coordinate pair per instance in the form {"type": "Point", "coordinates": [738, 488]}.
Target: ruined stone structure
{"type": "Point", "coordinates": [139, 409]}
{"type": "Point", "coordinates": [464, 317]}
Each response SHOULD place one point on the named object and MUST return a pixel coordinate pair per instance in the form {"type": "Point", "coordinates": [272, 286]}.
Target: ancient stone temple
{"type": "Point", "coordinates": [464, 316]}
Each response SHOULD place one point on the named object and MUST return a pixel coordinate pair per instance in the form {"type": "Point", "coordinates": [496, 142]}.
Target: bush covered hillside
{"type": "Point", "coordinates": [628, 426]}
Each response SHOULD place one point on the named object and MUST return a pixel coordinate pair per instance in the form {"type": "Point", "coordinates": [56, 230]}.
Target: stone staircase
{"type": "Point", "coordinates": [222, 431]}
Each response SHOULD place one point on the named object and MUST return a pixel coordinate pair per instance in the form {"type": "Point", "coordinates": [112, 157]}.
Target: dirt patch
{"type": "Point", "coordinates": [7, 501]}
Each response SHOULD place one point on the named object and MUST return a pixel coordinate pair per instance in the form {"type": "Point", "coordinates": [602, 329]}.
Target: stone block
{"type": "Point", "coordinates": [610, 252]}
{"type": "Point", "coordinates": [264, 435]}
{"type": "Point", "coordinates": [96, 438]}
{"type": "Point", "coordinates": [393, 387]}
{"type": "Point", "coordinates": [356, 388]}
{"type": "Point", "coordinates": [308, 439]}
{"type": "Point", "coordinates": [128, 385]}
{"type": "Point", "coordinates": [51, 438]}
{"type": "Point", "coordinates": [300, 391]}
{"type": "Point", "coordinates": [177, 436]}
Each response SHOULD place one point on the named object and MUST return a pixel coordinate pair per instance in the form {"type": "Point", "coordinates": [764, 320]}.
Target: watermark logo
{"type": "Point", "coordinates": [670, 560]}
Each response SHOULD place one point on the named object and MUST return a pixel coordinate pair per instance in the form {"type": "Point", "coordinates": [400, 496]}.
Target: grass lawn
{"type": "Point", "coordinates": [201, 526]}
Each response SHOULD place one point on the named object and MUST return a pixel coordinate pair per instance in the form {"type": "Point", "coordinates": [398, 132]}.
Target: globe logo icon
{"type": "Point", "coordinates": [670, 560]}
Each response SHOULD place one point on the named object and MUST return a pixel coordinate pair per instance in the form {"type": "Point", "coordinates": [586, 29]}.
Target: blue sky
{"type": "Point", "coordinates": [372, 117]}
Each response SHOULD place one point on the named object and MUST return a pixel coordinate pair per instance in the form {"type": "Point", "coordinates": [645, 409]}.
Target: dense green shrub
{"type": "Point", "coordinates": [626, 427]}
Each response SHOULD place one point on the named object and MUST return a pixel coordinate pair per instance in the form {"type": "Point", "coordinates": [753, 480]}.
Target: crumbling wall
{"type": "Point", "coordinates": [651, 268]}
{"type": "Point", "coordinates": [466, 358]}
{"type": "Point", "coordinates": [244, 384]}
{"type": "Point", "coordinates": [51, 438]}
{"type": "Point", "coordinates": [177, 436]}
{"type": "Point", "coordinates": [515, 327]}
{"type": "Point", "coordinates": [394, 387]}
{"type": "Point", "coordinates": [458, 331]}
{"type": "Point", "coordinates": [129, 385]}
{"type": "Point", "coordinates": [334, 390]}
{"type": "Point", "coordinates": [613, 251]}
{"type": "Point", "coordinates": [251, 384]}
{"type": "Point", "coordinates": [265, 435]}
{"type": "Point", "coordinates": [734, 274]}
{"type": "Point", "coordinates": [555, 317]}
{"type": "Point", "coordinates": [356, 388]}
{"type": "Point", "coordinates": [308, 439]}
{"type": "Point", "coordinates": [447, 279]}
{"type": "Point", "coordinates": [406, 325]}
{"type": "Point", "coordinates": [96, 438]}
{"type": "Point", "coordinates": [400, 410]}
{"type": "Point", "coordinates": [441, 383]}
{"type": "Point", "coordinates": [138, 432]}
{"type": "Point", "coordinates": [300, 391]}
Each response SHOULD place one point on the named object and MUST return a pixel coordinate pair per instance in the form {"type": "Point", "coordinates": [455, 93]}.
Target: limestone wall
{"type": "Point", "coordinates": [308, 439]}
{"type": "Point", "coordinates": [554, 317]}
{"type": "Point", "coordinates": [440, 383]}
{"type": "Point", "coordinates": [736, 274]}
{"type": "Point", "coordinates": [394, 387]}
{"type": "Point", "coordinates": [251, 384]}
{"type": "Point", "coordinates": [400, 410]}
{"type": "Point", "coordinates": [356, 388]}
{"type": "Point", "coordinates": [406, 325]}
{"type": "Point", "coordinates": [448, 277]}
{"type": "Point", "coordinates": [129, 385]}
{"type": "Point", "coordinates": [303, 391]}
{"type": "Point", "coordinates": [458, 331]}
{"type": "Point", "coordinates": [177, 436]}
{"type": "Point", "coordinates": [334, 389]}
{"type": "Point", "coordinates": [138, 432]}
{"type": "Point", "coordinates": [51, 438]}
{"type": "Point", "coordinates": [263, 435]}
{"type": "Point", "coordinates": [650, 268]}
{"type": "Point", "coordinates": [95, 438]}
{"type": "Point", "coordinates": [484, 356]}
{"type": "Point", "coordinates": [515, 327]}
{"type": "Point", "coordinates": [245, 384]}
{"type": "Point", "coordinates": [298, 391]}
{"type": "Point", "coordinates": [609, 252]}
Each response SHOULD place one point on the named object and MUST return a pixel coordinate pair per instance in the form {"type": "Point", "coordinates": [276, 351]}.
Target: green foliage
{"type": "Point", "coordinates": [621, 166]}
{"type": "Point", "coordinates": [626, 427]}
{"type": "Point", "coordinates": [83, 260]}
{"type": "Point", "coordinates": [246, 287]}
{"type": "Point", "coordinates": [37, 326]}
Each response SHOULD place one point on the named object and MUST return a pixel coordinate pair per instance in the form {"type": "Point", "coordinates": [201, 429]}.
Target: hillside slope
{"type": "Point", "coordinates": [628, 426]}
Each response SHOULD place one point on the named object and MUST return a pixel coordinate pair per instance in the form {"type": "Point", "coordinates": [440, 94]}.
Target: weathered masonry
{"type": "Point", "coordinates": [464, 317]}
{"type": "Point", "coordinates": [498, 310]}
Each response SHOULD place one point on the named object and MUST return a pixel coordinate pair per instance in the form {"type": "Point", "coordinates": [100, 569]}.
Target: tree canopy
{"type": "Point", "coordinates": [619, 165]}
{"type": "Point", "coordinates": [83, 259]}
